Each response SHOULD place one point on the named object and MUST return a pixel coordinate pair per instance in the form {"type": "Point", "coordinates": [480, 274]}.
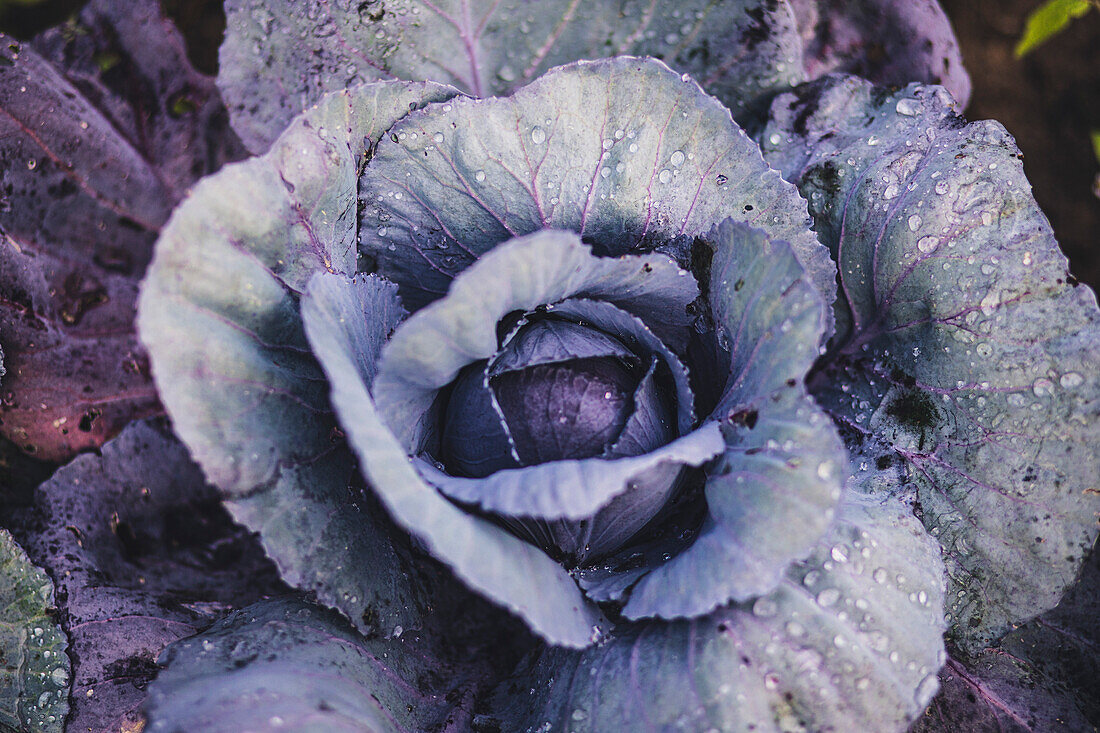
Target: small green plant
{"type": "Point", "coordinates": [1049, 19]}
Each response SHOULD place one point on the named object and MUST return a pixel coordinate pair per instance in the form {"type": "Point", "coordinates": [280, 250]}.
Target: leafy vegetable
{"type": "Point", "coordinates": [966, 353]}
{"type": "Point", "coordinates": [286, 664]}
{"type": "Point", "coordinates": [281, 57]}
{"type": "Point", "coordinates": [531, 374]}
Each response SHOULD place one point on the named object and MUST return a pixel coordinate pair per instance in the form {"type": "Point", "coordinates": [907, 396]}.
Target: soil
{"type": "Point", "coordinates": [1049, 100]}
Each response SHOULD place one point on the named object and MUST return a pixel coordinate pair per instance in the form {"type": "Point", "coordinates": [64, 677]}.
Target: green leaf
{"type": "Point", "coordinates": [517, 575]}
{"type": "Point", "coordinates": [1047, 20]}
{"type": "Point", "coordinates": [34, 664]}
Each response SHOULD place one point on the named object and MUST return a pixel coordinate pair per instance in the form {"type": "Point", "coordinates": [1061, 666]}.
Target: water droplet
{"type": "Point", "coordinates": [32, 164]}
{"type": "Point", "coordinates": [538, 136]}
{"type": "Point", "coordinates": [942, 187]}
{"type": "Point", "coordinates": [928, 244]}
{"type": "Point", "coordinates": [795, 629]}
{"type": "Point", "coordinates": [1069, 380]}
{"type": "Point", "coordinates": [664, 176]}
{"type": "Point", "coordinates": [840, 553]}
{"type": "Point", "coordinates": [774, 139]}
{"type": "Point", "coordinates": [908, 107]}
{"type": "Point", "coordinates": [984, 350]}
{"type": "Point", "coordinates": [438, 137]}
{"type": "Point", "coordinates": [765, 607]}
{"type": "Point", "coordinates": [579, 715]}
{"type": "Point", "coordinates": [771, 681]}
{"type": "Point", "coordinates": [873, 140]}
{"type": "Point", "coordinates": [890, 192]}
{"type": "Point", "coordinates": [677, 158]}
{"type": "Point", "coordinates": [987, 218]}
{"type": "Point", "coordinates": [721, 180]}
{"type": "Point", "coordinates": [825, 470]}
{"type": "Point", "coordinates": [828, 597]}
{"type": "Point", "coordinates": [1043, 387]}
{"type": "Point", "coordinates": [479, 176]}
{"type": "Point", "coordinates": [506, 73]}
{"type": "Point", "coordinates": [915, 222]}
{"type": "Point", "coordinates": [879, 575]}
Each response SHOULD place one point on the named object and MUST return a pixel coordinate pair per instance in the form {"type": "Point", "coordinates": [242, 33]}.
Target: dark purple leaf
{"type": "Point", "coordinates": [890, 42]}
{"type": "Point", "coordinates": [143, 554]}
{"type": "Point", "coordinates": [289, 665]}
{"type": "Point", "coordinates": [103, 126]}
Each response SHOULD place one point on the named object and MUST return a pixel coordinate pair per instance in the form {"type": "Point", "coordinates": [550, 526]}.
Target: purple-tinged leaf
{"type": "Point", "coordinates": [771, 495]}
{"type": "Point", "coordinates": [1044, 676]}
{"type": "Point", "coordinates": [34, 665]}
{"type": "Point", "coordinates": [578, 149]}
{"type": "Point", "coordinates": [219, 315]}
{"type": "Point", "coordinates": [103, 126]}
{"type": "Point", "coordinates": [851, 640]}
{"type": "Point", "coordinates": [280, 57]}
{"type": "Point", "coordinates": [888, 42]}
{"type": "Point", "coordinates": [288, 665]}
{"type": "Point", "coordinates": [965, 351]}
{"type": "Point", "coordinates": [998, 693]}
{"type": "Point", "coordinates": [143, 554]}
{"type": "Point", "coordinates": [345, 325]}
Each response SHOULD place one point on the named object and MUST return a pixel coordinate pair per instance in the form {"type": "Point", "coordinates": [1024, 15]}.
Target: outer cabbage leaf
{"type": "Point", "coordinates": [543, 268]}
{"type": "Point", "coordinates": [578, 149]}
{"type": "Point", "coordinates": [1043, 676]}
{"type": "Point", "coordinates": [286, 664]}
{"type": "Point", "coordinates": [281, 57]}
{"type": "Point", "coordinates": [344, 323]}
{"type": "Point", "coordinates": [219, 315]}
{"type": "Point", "coordinates": [771, 495]}
{"type": "Point", "coordinates": [888, 42]}
{"type": "Point", "coordinates": [34, 665]}
{"type": "Point", "coordinates": [851, 640]}
{"type": "Point", "coordinates": [143, 554]}
{"type": "Point", "coordinates": [967, 350]}
{"type": "Point", "coordinates": [104, 124]}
